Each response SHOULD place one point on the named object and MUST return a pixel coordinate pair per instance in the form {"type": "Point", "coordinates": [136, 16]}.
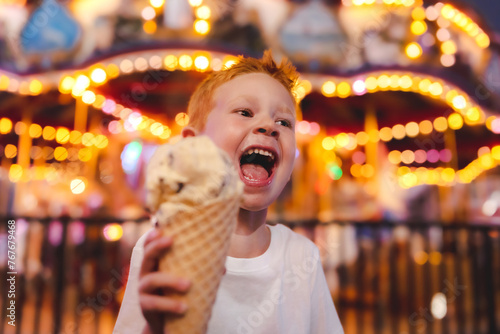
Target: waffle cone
{"type": "Point", "coordinates": [201, 241]}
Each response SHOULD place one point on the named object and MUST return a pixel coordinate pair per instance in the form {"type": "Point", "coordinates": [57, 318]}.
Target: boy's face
{"type": "Point", "coordinates": [253, 120]}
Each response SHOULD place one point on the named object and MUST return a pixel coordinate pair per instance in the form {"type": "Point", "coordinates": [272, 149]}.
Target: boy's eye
{"type": "Point", "coordinates": [284, 122]}
{"type": "Point", "coordinates": [244, 112]}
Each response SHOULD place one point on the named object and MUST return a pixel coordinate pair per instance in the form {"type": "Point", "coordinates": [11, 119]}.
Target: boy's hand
{"type": "Point", "coordinates": [151, 283]}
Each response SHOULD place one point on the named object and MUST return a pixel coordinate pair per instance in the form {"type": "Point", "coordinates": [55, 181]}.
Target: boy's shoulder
{"type": "Point", "coordinates": [293, 243]}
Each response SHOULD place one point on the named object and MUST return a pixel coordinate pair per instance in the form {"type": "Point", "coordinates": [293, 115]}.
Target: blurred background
{"type": "Point", "coordinates": [396, 178]}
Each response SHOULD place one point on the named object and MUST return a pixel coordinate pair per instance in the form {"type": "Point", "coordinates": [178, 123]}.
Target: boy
{"type": "Point", "coordinates": [274, 282]}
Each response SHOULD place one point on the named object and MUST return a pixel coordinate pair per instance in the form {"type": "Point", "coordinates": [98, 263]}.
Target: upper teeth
{"type": "Point", "coordinates": [261, 152]}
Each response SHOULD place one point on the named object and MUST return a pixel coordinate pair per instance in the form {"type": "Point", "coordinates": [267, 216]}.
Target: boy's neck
{"type": "Point", "coordinates": [251, 237]}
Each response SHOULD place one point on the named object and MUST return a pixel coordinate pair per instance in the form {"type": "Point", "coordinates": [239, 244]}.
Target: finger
{"type": "Point", "coordinates": [154, 303]}
{"type": "Point", "coordinates": [159, 280]}
{"type": "Point", "coordinates": [152, 252]}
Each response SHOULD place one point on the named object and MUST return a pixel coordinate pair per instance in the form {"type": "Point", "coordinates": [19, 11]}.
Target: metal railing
{"type": "Point", "coordinates": [385, 277]}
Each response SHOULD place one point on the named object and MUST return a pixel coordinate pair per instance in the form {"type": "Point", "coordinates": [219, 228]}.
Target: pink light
{"type": "Point", "coordinates": [55, 233]}
{"type": "Point", "coordinates": [420, 156]}
{"type": "Point", "coordinates": [314, 128]}
{"type": "Point", "coordinates": [109, 106]}
{"type": "Point", "coordinates": [445, 155]}
{"type": "Point", "coordinates": [359, 158]}
{"type": "Point", "coordinates": [359, 87]}
{"type": "Point", "coordinates": [433, 156]}
{"type": "Point", "coordinates": [76, 231]}
{"type": "Point", "coordinates": [114, 127]}
{"type": "Point", "coordinates": [303, 127]}
{"type": "Point", "coordinates": [495, 126]}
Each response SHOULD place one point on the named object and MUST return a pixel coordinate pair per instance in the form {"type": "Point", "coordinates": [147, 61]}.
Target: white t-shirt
{"type": "Point", "coordinates": [281, 291]}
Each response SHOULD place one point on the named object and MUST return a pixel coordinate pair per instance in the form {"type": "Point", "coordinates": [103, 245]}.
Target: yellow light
{"type": "Point", "coordinates": [88, 97]}
{"type": "Point", "coordinates": [202, 27]}
{"type": "Point", "coordinates": [328, 88]}
{"type": "Point", "coordinates": [157, 3]}
{"type": "Point", "coordinates": [35, 131]}
{"type": "Point", "coordinates": [62, 135]}
{"type": "Point", "coordinates": [112, 70]}
{"type": "Point", "coordinates": [413, 50]}
{"type": "Point", "coordinates": [424, 85]}
{"type": "Point", "coordinates": [85, 154]}
{"type": "Point", "coordinates": [362, 138]}
{"type": "Point", "coordinates": [440, 124]}
{"type": "Point", "coordinates": [472, 29]}
{"type": "Point", "coordinates": [182, 119]}
{"type": "Point", "coordinates": [4, 82]}
{"type": "Point", "coordinates": [367, 171]}
{"type": "Point", "coordinates": [407, 157]}
{"type": "Point", "coordinates": [385, 134]}
{"type": "Point", "coordinates": [342, 139]}
{"type": "Point", "coordinates": [483, 40]}
{"type": "Point", "coordinates": [166, 133]}
{"type": "Point", "coordinates": [15, 172]}
{"type": "Point", "coordinates": [451, 95]}
{"type": "Point", "coordinates": [495, 152]}
{"type": "Point", "coordinates": [412, 129]}
{"type": "Point", "coordinates": [405, 82]}
{"type": "Point", "coordinates": [371, 83]}
{"type": "Point", "coordinates": [170, 62]}
{"type": "Point", "coordinates": [403, 170]}
{"type": "Point", "coordinates": [112, 232]}
{"type": "Point", "coordinates": [185, 62]}
{"type": "Point", "coordinates": [394, 81]}
{"type": "Point", "coordinates": [10, 151]}
{"type": "Point", "coordinates": [459, 102]}
{"type": "Point", "coordinates": [201, 63]}
{"type": "Point", "coordinates": [149, 27]}
{"type": "Point", "coordinates": [5, 125]}
{"type": "Point", "coordinates": [60, 153]}
{"type": "Point", "coordinates": [448, 175]}
{"type": "Point", "coordinates": [77, 185]}
{"type": "Point", "coordinates": [418, 27]}
{"type": "Point", "coordinates": [343, 89]}
{"type": "Point", "coordinates": [35, 87]}
{"type": "Point", "coordinates": [328, 143]}
{"type": "Point", "coordinates": [449, 47]}
{"type": "Point", "coordinates": [420, 257]}
{"type": "Point", "coordinates": [436, 89]}
{"type": "Point", "coordinates": [432, 177]}
{"type": "Point", "coordinates": [398, 131]}
{"type": "Point", "coordinates": [195, 3]}
{"type": "Point", "coordinates": [486, 161]}
{"type": "Point", "coordinates": [98, 76]}
{"type": "Point", "coordinates": [81, 84]}
{"type": "Point", "coordinates": [408, 180]}
{"type": "Point", "coordinates": [473, 114]}
{"type": "Point", "coordinates": [435, 258]}
{"type": "Point", "coordinates": [383, 81]}
{"type": "Point", "coordinates": [88, 139]}
{"type": "Point", "coordinates": [75, 137]}
{"type": "Point", "coordinates": [101, 141]}
{"type": "Point", "coordinates": [394, 157]}
{"type": "Point", "coordinates": [374, 136]}
{"type": "Point", "coordinates": [99, 101]}
{"type": "Point", "coordinates": [49, 133]}
{"type": "Point", "coordinates": [203, 12]}
{"type": "Point", "coordinates": [356, 170]}
{"type": "Point", "coordinates": [156, 128]}
{"type": "Point", "coordinates": [66, 85]}
{"type": "Point", "coordinates": [455, 121]}
{"type": "Point", "coordinates": [418, 14]}
{"type": "Point", "coordinates": [408, 3]}
{"type": "Point", "coordinates": [448, 11]}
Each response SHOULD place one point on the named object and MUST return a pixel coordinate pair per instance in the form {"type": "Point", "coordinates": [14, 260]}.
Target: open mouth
{"type": "Point", "coordinates": [257, 165]}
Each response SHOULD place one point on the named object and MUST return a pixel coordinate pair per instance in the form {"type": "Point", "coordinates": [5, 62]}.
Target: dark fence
{"type": "Point", "coordinates": [385, 277]}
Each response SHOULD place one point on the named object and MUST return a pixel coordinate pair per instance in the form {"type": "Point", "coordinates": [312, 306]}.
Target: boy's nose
{"type": "Point", "coordinates": [268, 131]}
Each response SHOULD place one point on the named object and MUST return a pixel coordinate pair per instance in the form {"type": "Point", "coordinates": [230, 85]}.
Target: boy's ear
{"type": "Point", "coordinates": [189, 131]}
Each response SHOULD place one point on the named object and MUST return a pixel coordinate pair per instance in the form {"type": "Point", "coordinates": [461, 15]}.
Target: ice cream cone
{"type": "Point", "coordinates": [201, 241]}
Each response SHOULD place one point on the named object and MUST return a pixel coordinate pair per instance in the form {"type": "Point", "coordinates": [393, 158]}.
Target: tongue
{"type": "Point", "coordinates": [254, 172]}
